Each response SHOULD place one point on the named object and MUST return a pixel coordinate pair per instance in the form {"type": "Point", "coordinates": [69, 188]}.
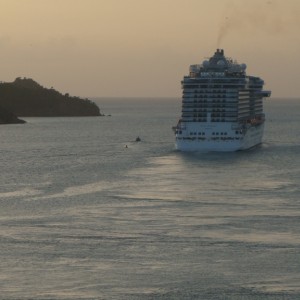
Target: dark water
{"type": "Point", "coordinates": [82, 217]}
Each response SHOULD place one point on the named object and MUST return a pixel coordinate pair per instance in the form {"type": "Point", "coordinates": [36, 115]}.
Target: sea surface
{"type": "Point", "coordinates": [84, 217]}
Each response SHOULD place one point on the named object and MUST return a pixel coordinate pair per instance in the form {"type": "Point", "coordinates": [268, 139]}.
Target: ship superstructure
{"type": "Point", "coordinates": [222, 107]}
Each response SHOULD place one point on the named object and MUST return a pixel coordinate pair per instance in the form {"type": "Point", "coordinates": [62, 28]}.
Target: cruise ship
{"type": "Point", "coordinates": [222, 107]}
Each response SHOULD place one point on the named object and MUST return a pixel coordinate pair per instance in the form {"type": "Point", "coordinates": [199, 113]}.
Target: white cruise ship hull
{"type": "Point", "coordinates": [230, 142]}
{"type": "Point", "coordinates": [222, 107]}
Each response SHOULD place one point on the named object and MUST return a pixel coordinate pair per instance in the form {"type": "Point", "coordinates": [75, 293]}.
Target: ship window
{"type": "Point", "coordinates": [213, 133]}
{"type": "Point", "coordinates": [225, 133]}
{"type": "Point", "coordinates": [217, 133]}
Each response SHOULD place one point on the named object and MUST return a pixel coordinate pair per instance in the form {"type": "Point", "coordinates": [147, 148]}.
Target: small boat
{"type": "Point", "coordinates": [138, 139]}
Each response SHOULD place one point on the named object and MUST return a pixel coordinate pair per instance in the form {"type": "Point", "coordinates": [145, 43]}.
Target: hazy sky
{"type": "Point", "coordinates": [144, 47]}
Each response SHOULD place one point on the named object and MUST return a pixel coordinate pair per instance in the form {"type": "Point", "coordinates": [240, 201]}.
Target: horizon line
{"type": "Point", "coordinates": [174, 97]}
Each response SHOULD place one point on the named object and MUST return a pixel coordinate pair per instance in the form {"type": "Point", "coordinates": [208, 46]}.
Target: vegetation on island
{"type": "Point", "coordinates": [26, 98]}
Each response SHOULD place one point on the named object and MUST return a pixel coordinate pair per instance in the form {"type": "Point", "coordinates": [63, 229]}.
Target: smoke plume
{"type": "Point", "coordinates": [253, 17]}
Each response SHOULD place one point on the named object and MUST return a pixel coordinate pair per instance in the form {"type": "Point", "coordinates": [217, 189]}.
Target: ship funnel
{"type": "Point", "coordinates": [220, 52]}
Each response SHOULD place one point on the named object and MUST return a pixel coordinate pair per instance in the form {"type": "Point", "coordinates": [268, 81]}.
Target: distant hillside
{"type": "Point", "coordinates": [25, 97]}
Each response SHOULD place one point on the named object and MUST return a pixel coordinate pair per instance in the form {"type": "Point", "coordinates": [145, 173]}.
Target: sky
{"type": "Point", "coordinates": [143, 48]}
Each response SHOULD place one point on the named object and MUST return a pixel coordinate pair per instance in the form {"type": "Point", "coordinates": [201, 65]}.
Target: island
{"type": "Point", "coordinates": [7, 117]}
{"type": "Point", "coordinates": [24, 97]}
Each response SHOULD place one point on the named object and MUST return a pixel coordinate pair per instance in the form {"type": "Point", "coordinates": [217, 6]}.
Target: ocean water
{"type": "Point", "coordinates": [83, 217]}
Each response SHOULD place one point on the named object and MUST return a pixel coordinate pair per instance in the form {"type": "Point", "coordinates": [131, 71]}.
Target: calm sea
{"type": "Point", "coordinates": [83, 217]}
